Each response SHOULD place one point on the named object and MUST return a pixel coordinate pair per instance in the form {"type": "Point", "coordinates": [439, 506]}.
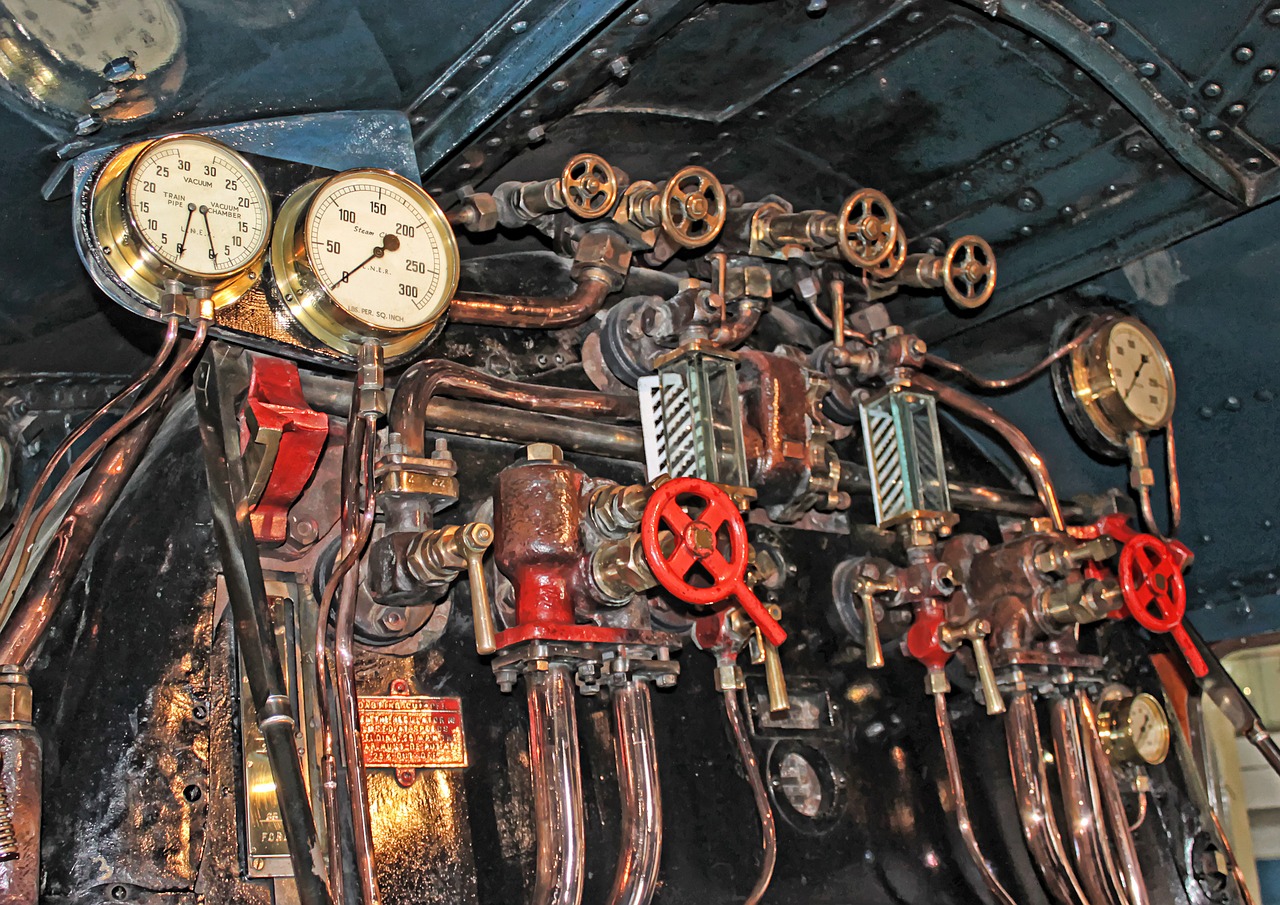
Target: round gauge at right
{"type": "Point", "coordinates": [1118, 381]}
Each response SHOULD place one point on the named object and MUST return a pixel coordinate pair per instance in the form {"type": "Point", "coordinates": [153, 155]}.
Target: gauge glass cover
{"type": "Point", "coordinates": [382, 249]}
{"type": "Point", "coordinates": [1149, 729]}
{"type": "Point", "coordinates": [198, 206]}
{"type": "Point", "coordinates": [1140, 372]}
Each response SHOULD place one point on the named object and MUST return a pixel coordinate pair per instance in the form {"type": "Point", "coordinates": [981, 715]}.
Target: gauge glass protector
{"type": "Point", "coordinates": [1140, 372]}
{"type": "Point", "coordinates": [198, 206]}
{"type": "Point", "coordinates": [377, 244]}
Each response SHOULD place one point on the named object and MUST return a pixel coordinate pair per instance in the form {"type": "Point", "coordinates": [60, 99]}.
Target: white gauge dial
{"type": "Point", "coordinates": [92, 34]}
{"type": "Point", "coordinates": [381, 249]}
{"type": "Point", "coordinates": [198, 206]}
{"type": "Point", "coordinates": [1141, 374]}
{"type": "Point", "coordinates": [1149, 728]}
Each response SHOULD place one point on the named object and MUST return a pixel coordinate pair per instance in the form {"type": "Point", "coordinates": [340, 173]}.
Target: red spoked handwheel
{"type": "Point", "coordinates": [697, 539]}
{"type": "Point", "coordinates": [1155, 593]}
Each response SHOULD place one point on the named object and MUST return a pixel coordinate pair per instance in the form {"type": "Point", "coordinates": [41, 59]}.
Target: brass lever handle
{"type": "Point", "coordinates": [867, 588]}
{"type": "Point", "coordinates": [975, 632]}
{"type": "Point", "coordinates": [775, 681]}
{"type": "Point", "coordinates": [475, 539]}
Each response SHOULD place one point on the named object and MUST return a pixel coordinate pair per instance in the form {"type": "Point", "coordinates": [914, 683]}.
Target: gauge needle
{"type": "Point", "coordinates": [182, 245]}
{"type": "Point", "coordinates": [1136, 374]}
{"type": "Point", "coordinates": [389, 243]}
{"type": "Point", "coordinates": [213, 251]}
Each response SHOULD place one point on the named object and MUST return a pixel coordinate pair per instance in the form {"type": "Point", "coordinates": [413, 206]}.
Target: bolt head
{"type": "Point", "coordinates": [119, 70]}
{"type": "Point", "coordinates": [543, 452]}
{"type": "Point", "coordinates": [1243, 54]}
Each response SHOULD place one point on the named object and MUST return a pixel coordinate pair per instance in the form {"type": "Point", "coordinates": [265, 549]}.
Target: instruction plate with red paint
{"type": "Point", "coordinates": [412, 731]}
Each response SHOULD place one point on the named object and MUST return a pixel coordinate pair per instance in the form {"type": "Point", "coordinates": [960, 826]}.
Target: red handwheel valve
{"type": "Point", "coordinates": [1155, 593]}
{"type": "Point", "coordinates": [697, 543]}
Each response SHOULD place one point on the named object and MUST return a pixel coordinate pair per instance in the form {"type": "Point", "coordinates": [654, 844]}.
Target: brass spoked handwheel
{"type": "Point", "coordinates": [868, 228]}
{"type": "Point", "coordinates": [969, 272]}
{"type": "Point", "coordinates": [693, 207]}
{"type": "Point", "coordinates": [889, 268]}
{"type": "Point", "coordinates": [590, 186]}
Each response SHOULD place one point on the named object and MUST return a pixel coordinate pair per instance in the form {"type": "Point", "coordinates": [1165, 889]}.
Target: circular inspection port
{"type": "Point", "coordinates": [805, 787]}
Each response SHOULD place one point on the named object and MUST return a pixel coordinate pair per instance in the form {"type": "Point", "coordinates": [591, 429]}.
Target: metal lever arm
{"type": "Point", "coordinates": [867, 588]}
{"type": "Point", "coordinates": [975, 631]}
{"type": "Point", "coordinates": [439, 556]}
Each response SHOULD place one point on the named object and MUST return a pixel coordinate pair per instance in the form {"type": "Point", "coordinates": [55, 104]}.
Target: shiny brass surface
{"type": "Point", "coordinates": [1097, 382]}
{"type": "Point", "coordinates": [969, 272]}
{"type": "Point", "coordinates": [1134, 729]}
{"type": "Point", "coordinates": [122, 247]}
{"type": "Point", "coordinates": [868, 228]}
{"type": "Point", "coordinates": [589, 186]}
{"type": "Point", "coordinates": [314, 306]}
{"type": "Point", "coordinates": [692, 207]}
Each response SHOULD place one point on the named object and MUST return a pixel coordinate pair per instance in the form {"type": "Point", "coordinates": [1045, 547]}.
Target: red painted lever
{"type": "Point", "coordinates": [697, 543]}
{"type": "Point", "coordinates": [1155, 593]}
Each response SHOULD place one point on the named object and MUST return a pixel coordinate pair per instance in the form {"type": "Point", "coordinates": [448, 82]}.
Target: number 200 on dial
{"type": "Point", "coordinates": [371, 257]}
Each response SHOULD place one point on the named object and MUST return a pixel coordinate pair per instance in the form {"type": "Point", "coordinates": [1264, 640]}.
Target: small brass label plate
{"type": "Point", "coordinates": [412, 731]}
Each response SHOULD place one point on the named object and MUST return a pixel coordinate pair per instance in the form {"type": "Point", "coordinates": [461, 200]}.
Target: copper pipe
{"type": "Point", "coordinates": [1081, 800]}
{"type": "Point", "coordinates": [533, 312]}
{"type": "Point", "coordinates": [20, 523]}
{"type": "Point", "coordinates": [155, 395]}
{"type": "Point", "coordinates": [1175, 483]}
{"type": "Point", "coordinates": [1016, 439]}
{"type": "Point", "coordinates": [426, 379]}
{"type": "Point", "coordinates": [555, 765]}
{"type": "Point", "coordinates": [961, 803]}
{"type": "Point", "coordinates": [735, 332]}
{"type": "Point", "coordinates": [1031, 785]}
{"type": "Point", "coordinates": [769, 831]}
{"type": "Point", "coordinates": [636, 878]}
{"type": "Point", "coordinates": [1007, 383]}
{"type": "Point", "coordinates": [1129, 873]}
{"type": "Point", "coordinates": [20, 638]}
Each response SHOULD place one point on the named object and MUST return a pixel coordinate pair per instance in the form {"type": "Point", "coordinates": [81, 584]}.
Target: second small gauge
{"type": "Point", "coordinates": [365, 255]}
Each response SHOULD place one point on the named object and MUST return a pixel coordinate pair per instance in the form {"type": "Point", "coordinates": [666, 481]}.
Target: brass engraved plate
{"type": "Point", "coordinates": [412, 731]}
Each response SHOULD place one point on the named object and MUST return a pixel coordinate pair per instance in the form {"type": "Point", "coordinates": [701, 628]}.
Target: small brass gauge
{"type": "Point", "coordinates": [1117, 383]}
{"type": "Point", "coordinates": [365, 255]}
{"type": "Point", "coordinates": [184, 208]}
{"type": "Point", "coordinates": [1134, 729]}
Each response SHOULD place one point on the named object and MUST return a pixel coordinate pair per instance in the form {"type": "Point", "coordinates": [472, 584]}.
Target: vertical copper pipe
{"type": "Point", "coordinates": [1129, 875]}
{"type": "Point", "coordinates": [557, 786]}
{"type": "Point", "coordinates": [641, 851]}
{"type": "Point", "coordinates": [956, 784]}
{"type": "Point", "coordinates": [769, 837]}
{"type": "Point", "coordinates": [1031, 785]}
{"type": "Point", "coordinates": [1082, 803]}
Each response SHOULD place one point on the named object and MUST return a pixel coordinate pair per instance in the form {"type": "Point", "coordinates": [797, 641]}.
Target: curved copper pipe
{"type": "Point", "coordinates": [1082, 803]}
{"type": "Point", "coordinates": [636, 878]}
{"type": "Point", "coordinates": [995, 384]}
{"type": "Point", "coordinates": [1129, 873]}
{"type": "Point", "coordinates": [736, 331]}
{"type": "Point", "coordinates": [961, 802]}
{"type": "Point", "coordinates": [1031, 785]}
{"type": "Point", "coordinates": [1016, 439]}
{"type": "Point", "coordinates": [532, 312]}
{"type": "Point", "coordinates": [769, 838]}
{"type": "Point", "coordinates": [434, 377]}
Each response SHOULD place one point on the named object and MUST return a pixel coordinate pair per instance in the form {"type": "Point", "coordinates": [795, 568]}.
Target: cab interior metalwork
{"type": "Point", "coordinates": [576, 451]}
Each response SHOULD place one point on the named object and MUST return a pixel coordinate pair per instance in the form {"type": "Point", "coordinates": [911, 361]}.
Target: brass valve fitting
{"type": "Point", "coordinates": [1082, 602]}
{"type": "Point", "coordinates": [867, 588]}
{"type": "Point", "coordinates": [615, 510]}
{"type": "Point", "coordinates": [440, 556]}
{"type": "Point", "coordinates": [975, 631]}
{"type": "Point", "coordinates": [619, 570]}
{"type": "Point", "coordinates": [1059, 559]}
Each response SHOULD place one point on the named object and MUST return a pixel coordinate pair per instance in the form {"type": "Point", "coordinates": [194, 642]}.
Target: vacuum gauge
{"type": "Point", "coordinates": [184, 208]}
{"type": "Point", "coordinates": [365, 255]}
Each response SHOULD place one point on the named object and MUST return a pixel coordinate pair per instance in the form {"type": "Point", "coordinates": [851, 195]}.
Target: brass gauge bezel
{"type": "Point", "coordinates": [124, 249]}
{"type": "Point", "coordinates": [311, 303]}
{"type": "Point", "coordinates": [1115, 728]}
{"type": "Point", "coordinates": [1089, 394]}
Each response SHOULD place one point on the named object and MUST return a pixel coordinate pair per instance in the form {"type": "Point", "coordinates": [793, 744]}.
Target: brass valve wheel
{"type": "Point", "coordinates": [969, 272]}
{"type": "Point", "coordinates": [693, 207]}
{"type": "Point", "coordinates": [589, 186]}
{"type": "Point", "coordinates": [867, 229]}
{"type": "Point", "coordinates": [888, 269]}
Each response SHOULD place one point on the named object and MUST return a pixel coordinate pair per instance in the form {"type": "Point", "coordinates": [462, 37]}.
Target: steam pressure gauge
{"type": "Point", "coordinates": [365, 255]}
{"type": "Point", "coordinates": [1134, 729]}
{"type": "Point", "coordinates": [184, 208]}
{"type": "Point", "coordinates": [1117, 383]}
